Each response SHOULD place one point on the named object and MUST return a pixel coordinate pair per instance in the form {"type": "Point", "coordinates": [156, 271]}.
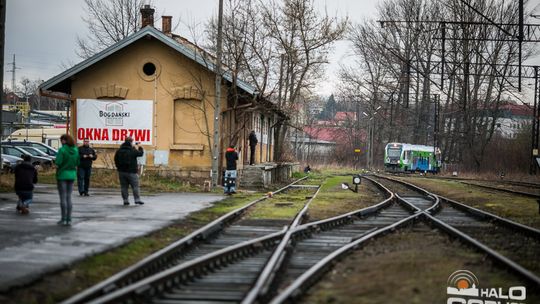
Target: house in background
{"type": "Point", "coordinates": [325, 140]}
{"type": "Point", "coordinates": [171, 82]}
{"type": "Point", "coordinates": [513, 119]}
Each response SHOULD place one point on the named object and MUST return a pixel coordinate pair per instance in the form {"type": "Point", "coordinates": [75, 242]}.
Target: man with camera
{"type": "Point", "coordinates": [125, 160]}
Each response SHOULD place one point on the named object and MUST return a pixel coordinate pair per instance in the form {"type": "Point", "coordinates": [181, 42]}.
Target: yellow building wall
{"type": "Point", "coordinates": [181, 89]}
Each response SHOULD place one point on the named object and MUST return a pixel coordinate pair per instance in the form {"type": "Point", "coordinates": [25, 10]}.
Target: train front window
{"type": "Point", "coordinates": [394, 152]}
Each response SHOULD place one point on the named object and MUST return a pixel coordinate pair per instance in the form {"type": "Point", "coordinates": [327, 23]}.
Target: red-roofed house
{"type": "Point", "coordinates": [513, 118]}
{"type": "Point", "coordinates": [345, 116]}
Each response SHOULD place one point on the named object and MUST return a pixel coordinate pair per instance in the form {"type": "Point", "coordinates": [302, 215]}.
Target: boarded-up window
{"type": "Point", "coordinates": [189, 124]}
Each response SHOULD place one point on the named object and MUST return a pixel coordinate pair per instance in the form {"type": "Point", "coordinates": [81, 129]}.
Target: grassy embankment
{"type": "Point", "coordinates": [515, 207]}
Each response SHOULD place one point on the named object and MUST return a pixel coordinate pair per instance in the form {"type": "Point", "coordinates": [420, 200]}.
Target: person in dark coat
{"type": "Point", "coordinates": [229, 185]}
{"type": "Point", "coordinates": [253, 141]}
{"type": "Point", "coordinates": [87, 155]}
{"type": "Point", "coordinates": [125, 160]}
{"type": "Point", "coordinates": [25, 178]}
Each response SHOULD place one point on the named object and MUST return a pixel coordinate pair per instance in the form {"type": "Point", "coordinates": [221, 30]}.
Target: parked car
{"type": "Point", "coordinates": [27, 143]}
{"type": "Point", "coordinates": [35, 160]}
{"type": "Point", "coordinates": [36, 152]}
{"type": "Point", "coordinates": [9, 162]}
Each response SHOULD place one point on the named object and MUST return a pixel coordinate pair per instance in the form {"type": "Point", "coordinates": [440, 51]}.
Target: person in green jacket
{"type": "Point", "coordinates": [67, 160]}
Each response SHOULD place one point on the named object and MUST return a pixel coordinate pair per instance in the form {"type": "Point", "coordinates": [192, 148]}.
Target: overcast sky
{"type": "Point", "coordinates": [43, 34]}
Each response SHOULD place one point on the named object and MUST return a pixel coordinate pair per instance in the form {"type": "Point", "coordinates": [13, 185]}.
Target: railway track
{"type": "Point", "coordinates": [513, 244]}
{"type": "Point", "coordinates": [527, 193]}
{"type": "Point", "coordinates": [495, 181]}
{"type": "Point", "coordinates": [310, 243]}
{"type": "Point", "coordinates": [463, 222]}
{"type": "Point", "coordinates": [224, 275]}
{"type": "Point", "coordinates": [520, 188]}
{"type": "Point", "coordinates": [226, 231]}
{"type": "Point", "coordinates": [527, 189]}
{"type": "Point", "coordinates": [260, 264]}
{"type": "Point", "coordinates": [201, 280]}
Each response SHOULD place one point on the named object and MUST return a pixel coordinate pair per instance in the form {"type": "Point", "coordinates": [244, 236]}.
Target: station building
{"type": "Point", "coordinates": [168, 83]}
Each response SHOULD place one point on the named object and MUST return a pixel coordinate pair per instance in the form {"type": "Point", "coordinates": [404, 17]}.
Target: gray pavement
{"type": "Point", "coordinates": [33, 245]}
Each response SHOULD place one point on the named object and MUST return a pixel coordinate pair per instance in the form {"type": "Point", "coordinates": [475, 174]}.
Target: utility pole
{"type": "Point", "coordinates": [13, 70]}
{"type": "Point", "coordinates": [357, 139]}
{"type": "Point", "coordinates": [534, 126]}
{"type": "Point", "coordinates": [217, 103]}
{"type": "Point", "coordinates": [368, 142]}
{"type": "Point", "coordinates": [2, 38]}
{"type": "Point", "coordinates": [436, 127]}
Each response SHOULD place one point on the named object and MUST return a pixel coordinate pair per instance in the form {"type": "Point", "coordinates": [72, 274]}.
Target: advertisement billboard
{"type": "Point", "coordinates": [111, 121]}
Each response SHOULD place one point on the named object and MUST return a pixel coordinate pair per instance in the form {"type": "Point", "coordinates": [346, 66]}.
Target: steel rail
{"type": "Point", "coordinates": [533, 232]}
{"type": "Point", "coordinates": [509, 182]}
{"type": "Point", "coordinates": [528, 194]}
{"type": "Point", "coordinates": [159, 259]}
{"type": "Point", "coordinates": [261, 292]}
{"type": "Point", "coordinates": [143, 290]}
{"type": "Point", "coordinates": [436, 205]}
{"type": "Point", "coordinates": [156, 280]}
{"type": "Point", "coordinates": [308, 278]}
{"type": "Point", "coordinates": [342, 219]}
{"type": "Point", "coordinates": [528, 275]}
{"type": "Point", "coordinates": [265, 279]}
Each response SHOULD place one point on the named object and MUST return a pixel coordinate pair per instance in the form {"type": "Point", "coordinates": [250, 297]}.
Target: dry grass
{"type": "Point", "coordinates": [410, 266]}
{"type": "Point", "coordinates": [493, 176]}
{"type": "Point", "coordinates": [332, 200]}
{"type": "Point", "coordinates": [283, 206]}
{"type": "Point", "coordinates": [106, 178]}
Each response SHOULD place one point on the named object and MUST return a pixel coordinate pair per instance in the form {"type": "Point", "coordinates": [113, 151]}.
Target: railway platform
{"type": "Point", "coordinates": [33, 245]}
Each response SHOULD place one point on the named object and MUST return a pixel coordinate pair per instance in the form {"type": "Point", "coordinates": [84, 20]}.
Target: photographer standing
{"type": "Point", "coordinates": [125, 160]}
{"type": "Point", "coordinates": [253, 141]}
{"type": "Point", "coordinates": [87, 155]}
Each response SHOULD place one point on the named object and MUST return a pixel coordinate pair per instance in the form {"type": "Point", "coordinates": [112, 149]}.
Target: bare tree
{"type": "Point", "coordinates": [303, 37]}
{"type": "Point", "coordinates": [108, 22]}
{"type": "Point", "coordinates": [394, 64]}
{"type": "Point", "coordinates": [280, 48]}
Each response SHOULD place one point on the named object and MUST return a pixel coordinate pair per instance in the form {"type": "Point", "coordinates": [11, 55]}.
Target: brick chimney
{"type": "Point", "coordinates": [147, 14]}
{"type": "Point", "coordinates": [166, 22]}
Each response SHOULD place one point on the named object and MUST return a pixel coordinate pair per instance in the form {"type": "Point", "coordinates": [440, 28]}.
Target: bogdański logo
{"type": "Point", "coordinates": [114, 114]}
{"type": "Point", "coordinates": [463, 287]}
